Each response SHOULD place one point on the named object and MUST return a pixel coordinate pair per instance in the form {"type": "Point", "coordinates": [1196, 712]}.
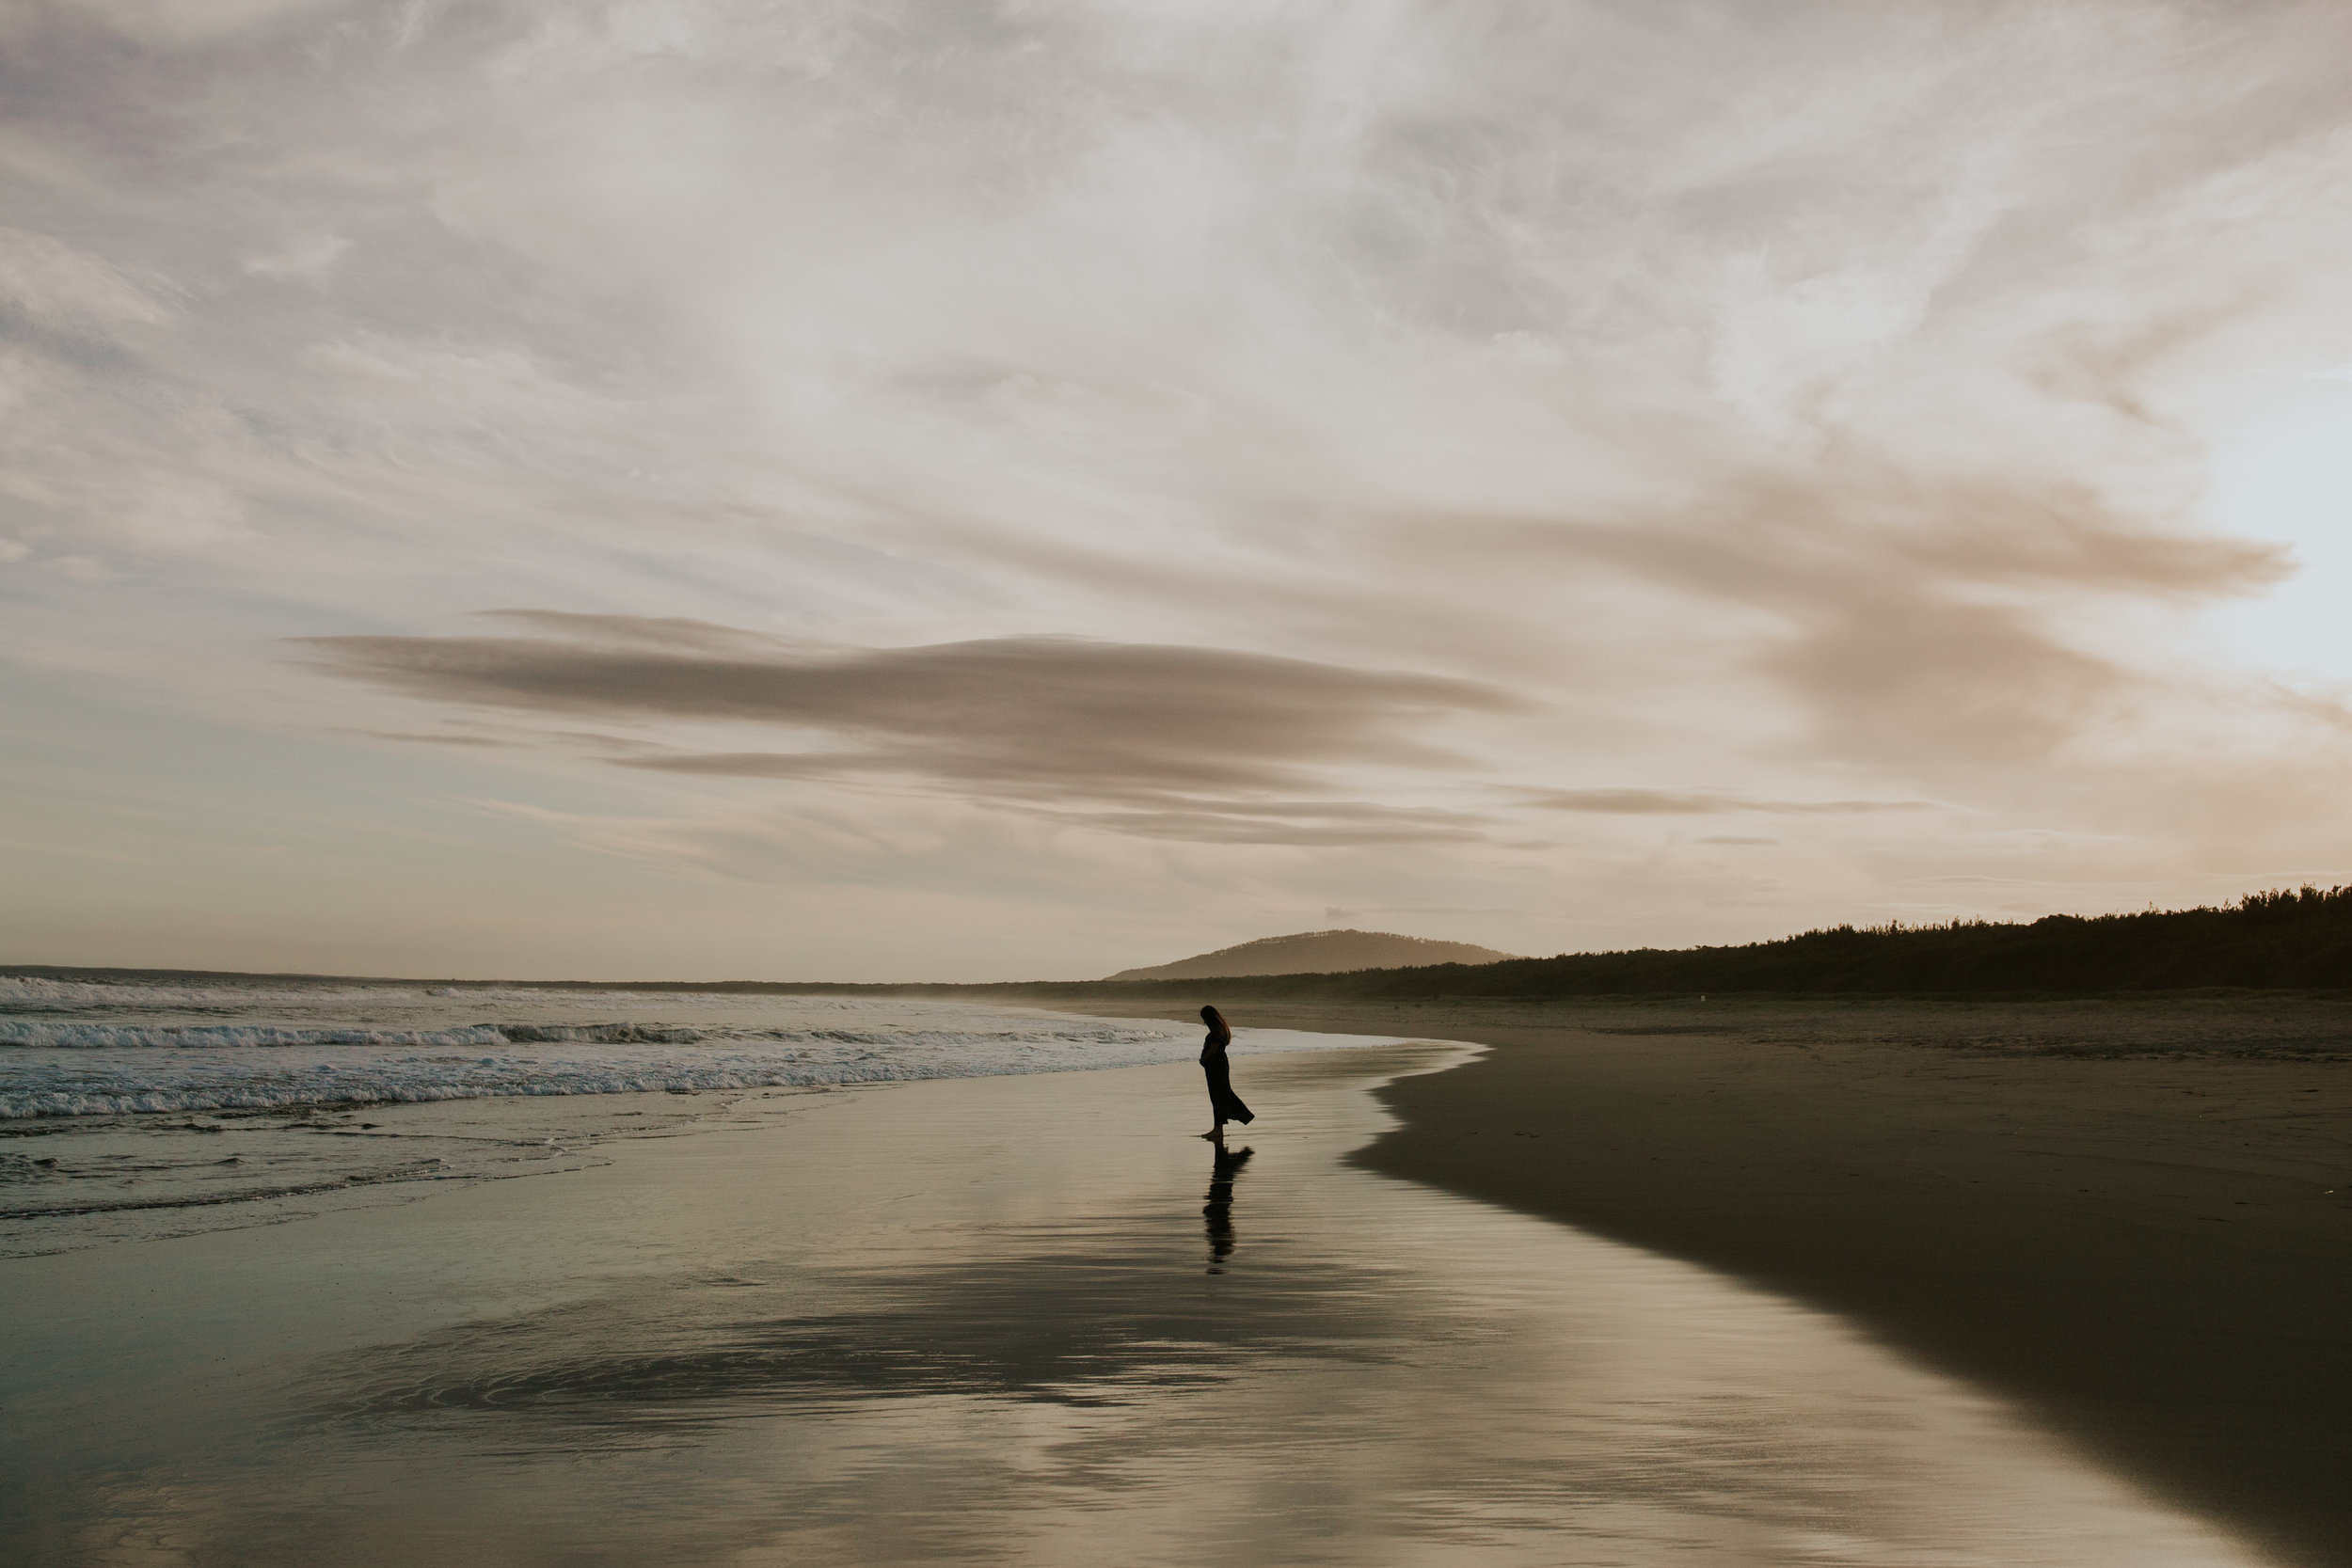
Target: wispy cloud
{"type": "Point", "coordinates": [1665, 802]}
{"type": "Point", "coordinates": [1258, 449]}
{"type": "Point", "coordinates": [1158, 742]}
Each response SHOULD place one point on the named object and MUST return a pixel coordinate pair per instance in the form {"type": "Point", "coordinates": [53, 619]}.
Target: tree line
{"type": "Point", "coordinates": [2298, 940]}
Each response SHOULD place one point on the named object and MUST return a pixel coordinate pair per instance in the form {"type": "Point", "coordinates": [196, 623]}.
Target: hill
{"type": "Point", "coordinates": [1318, 953]}
{"type": "Point", "coordinates": [2266, 940]}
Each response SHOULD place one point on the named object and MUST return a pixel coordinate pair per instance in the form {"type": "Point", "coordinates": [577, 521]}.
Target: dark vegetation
{"type": "Point", "coordinates": [2275, 940]}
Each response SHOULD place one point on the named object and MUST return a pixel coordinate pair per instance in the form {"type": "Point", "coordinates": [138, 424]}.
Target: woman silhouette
{"type": "Point", "coordinates": [1224, 1104]}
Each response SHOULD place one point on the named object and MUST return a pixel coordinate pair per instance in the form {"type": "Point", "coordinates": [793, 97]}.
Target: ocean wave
{"type": "Point", "coordinates": [113, 1037]}
{"type": "Point", "coordinates": [376, 1085]}
{"type": "Point", "coordinates": [108, 1037]}
{"type": "Point", "coordinates": [284, 1048]}
{"type": "Point", "coordinates": [236, 1083]}
{"type": "Point", "coordinates": [37, 994]}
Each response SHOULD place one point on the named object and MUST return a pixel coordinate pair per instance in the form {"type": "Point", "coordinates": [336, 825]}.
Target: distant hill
{"type": "Point", "coordinates": [1318, 953]}
{"type": "Point", "coordinates": [2280, 940]}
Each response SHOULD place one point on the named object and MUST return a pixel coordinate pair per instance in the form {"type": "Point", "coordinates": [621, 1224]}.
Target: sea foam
{"type": "Point", "coordinates": [83, 1048]}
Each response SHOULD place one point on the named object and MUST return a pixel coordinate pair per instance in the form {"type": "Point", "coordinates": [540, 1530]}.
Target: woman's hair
{"type": "Point", "coordinates": [1211, 1016]}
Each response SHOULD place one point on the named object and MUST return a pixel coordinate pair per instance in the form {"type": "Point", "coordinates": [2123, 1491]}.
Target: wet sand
{"type": "Point", "coordinates": [1007, 1320]}
{"type": "Point", "coordinates": [2118, 1212]}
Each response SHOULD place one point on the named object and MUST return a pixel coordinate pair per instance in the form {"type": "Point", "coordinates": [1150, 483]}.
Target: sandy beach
{"type": "Point", "coordinates": [1019, 1318]}
{"type": "Point", "coordinates": [2134, 1217]}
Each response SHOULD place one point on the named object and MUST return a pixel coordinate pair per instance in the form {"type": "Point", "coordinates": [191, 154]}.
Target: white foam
{"type": "Point", "coordinates": [208, 1048]}
{"type": "Point", "coordinates": [26, 994]}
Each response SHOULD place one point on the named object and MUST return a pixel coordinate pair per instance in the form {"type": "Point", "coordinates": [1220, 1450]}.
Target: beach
{"type": "Point", "coordinates": [1019, 1318]}
{"type": "Point", "coordinates": [662, 659]}
{"type": "Point", "coordinates": [2118, 1212]}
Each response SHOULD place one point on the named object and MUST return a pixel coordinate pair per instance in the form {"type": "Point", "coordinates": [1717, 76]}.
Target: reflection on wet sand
{"type": "Point", "coordinates": [895, 1332]}
{"type": "Point", "coordinates": [1107, 1327]}
{"type": "Point", "coordinates": [1218, 1213]}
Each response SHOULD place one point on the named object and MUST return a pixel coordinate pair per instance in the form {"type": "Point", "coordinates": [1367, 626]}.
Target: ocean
{"type": "Point", "coordinates": [131, 1110]}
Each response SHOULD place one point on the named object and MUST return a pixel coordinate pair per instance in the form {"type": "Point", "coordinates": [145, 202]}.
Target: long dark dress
{"type": "Point", "coordinates": [1224, 1104]}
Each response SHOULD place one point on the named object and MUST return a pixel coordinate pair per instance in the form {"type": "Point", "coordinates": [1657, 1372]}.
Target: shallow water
{"type": "Point", "coordinates": [72, 1048]}
{"type": "Point", "coordinates": [994, 1321]}
{"type": "Point", "coordinates": [134, 1110]}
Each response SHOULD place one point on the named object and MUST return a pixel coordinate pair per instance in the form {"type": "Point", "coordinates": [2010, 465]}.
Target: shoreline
{"type": "Point", "coordinates": [2115, 1214]}
{"type": "Point", "coordinates": [896, 1325]}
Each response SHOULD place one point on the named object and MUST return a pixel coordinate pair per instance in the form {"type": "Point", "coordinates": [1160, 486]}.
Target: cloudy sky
{"type": "Point", "coordinates": [890, 489]}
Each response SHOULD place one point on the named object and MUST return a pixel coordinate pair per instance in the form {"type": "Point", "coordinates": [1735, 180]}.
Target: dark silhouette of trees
{"type": "Point", "coordinates": [2294, 940]}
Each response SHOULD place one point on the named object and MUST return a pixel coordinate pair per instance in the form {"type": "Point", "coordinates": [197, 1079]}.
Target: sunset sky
{"type": "Point", "coordinates": [706, 489]}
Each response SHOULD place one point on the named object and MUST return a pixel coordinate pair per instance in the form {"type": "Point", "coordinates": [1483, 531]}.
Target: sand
{"type": "Point", "coordinates": [2137, 1217]}
{"type": "Point", "coordinates": [1007, 1320]}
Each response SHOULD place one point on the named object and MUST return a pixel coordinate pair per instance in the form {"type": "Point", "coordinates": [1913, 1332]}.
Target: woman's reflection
{"type": "Point", "coordinates": [1218, 1213]}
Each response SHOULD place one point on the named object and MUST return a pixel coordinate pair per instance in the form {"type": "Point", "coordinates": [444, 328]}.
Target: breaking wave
{"type": "Point", "coordinates": [87, 1048]}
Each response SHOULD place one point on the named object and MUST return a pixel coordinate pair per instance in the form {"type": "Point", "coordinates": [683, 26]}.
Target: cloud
{"type": "Point", "coordinates": [50, 283]}
{"type": "Point", "coordinates": [411, 737]}
{"type": "Point", "coordinates": [1119, 417]}
{"type": "Point", "coordinates": [1154, 741]}
{"type": "Point", "coordinates": [1665, 802]}
{"type": "Point", "coordinates": [1305, 828]}
{"type": "Point", "coordinates": [1909, 617]}
{"type": "Point", "coordinates": [302, 257]}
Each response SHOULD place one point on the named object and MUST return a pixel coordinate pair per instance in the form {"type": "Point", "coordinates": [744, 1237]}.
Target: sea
{"type": "Point", "coordinates": [135, 1108]}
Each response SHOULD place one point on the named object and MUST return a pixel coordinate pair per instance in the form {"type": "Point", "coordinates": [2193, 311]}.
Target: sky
{"type": "Point", "coordinates": [892, 490]}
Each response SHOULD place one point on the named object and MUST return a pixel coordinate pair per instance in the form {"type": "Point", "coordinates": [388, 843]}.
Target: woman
{"type": "Point", "coordinates": [1224, 1104]}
